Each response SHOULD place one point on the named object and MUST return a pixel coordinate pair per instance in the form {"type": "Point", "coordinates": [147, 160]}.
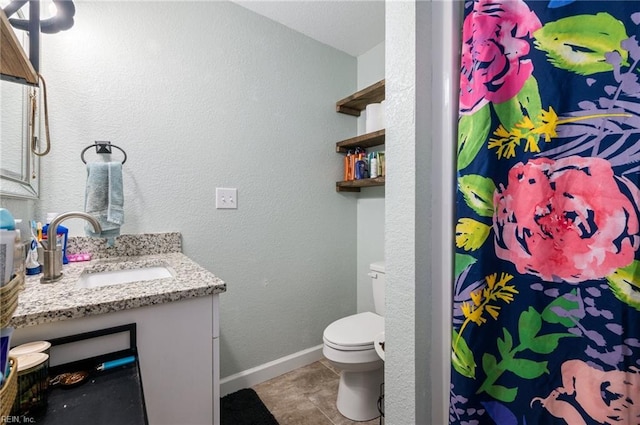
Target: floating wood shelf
{"type": "Point", "coordinates": [354, 105]}
{"type": "Point", "coordinates": [358, 101]}
{"type": "Point", "coordinates": [355, 185]}
{"type": "Point", "coordinates": [364, 141]}
{"type": "Point", "coordinates": [14, 63]}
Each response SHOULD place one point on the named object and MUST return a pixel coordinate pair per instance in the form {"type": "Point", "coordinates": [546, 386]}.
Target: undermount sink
{"type": "Point", "coordinates": [95, 279]}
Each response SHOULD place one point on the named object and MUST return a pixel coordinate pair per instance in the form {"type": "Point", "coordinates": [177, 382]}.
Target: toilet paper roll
{"type": "Point", "coordinates": [374, 117]}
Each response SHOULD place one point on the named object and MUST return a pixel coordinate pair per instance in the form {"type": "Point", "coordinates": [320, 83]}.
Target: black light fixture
{"type": "Point", "coordinates": [61, 21]}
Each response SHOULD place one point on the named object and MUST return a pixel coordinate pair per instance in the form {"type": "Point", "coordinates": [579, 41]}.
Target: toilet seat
{"type": "Point", "coordinates": [354, 333]}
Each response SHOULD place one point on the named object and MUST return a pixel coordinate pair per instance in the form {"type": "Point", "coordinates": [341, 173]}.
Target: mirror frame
{"type": "Point", "coordinates": [26, 183]}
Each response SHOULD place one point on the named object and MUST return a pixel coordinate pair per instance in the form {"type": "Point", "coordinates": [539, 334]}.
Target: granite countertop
{"type": "Point", "coordinates": [42, 303]}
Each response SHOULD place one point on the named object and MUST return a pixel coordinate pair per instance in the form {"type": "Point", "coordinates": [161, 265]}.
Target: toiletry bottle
{"type": "Point", "coordinates": [352, 165]}
{"type": "Point", "coordinates": [349, 166]}
{"type": "Point", "coordinates": [345, 176]}
{"type": "Point", "coordinates": [373, 166]}
{"type": "Point", "coordinates": [7, 245]}
{"type": "Point", "coordinates": [32, 266]}
{"type": "Point", "coordinates": [18, 251]}
{"type": "Point", "coordinates": [62, 234]}
{"type": "Point", "coordinates": [359, 166]}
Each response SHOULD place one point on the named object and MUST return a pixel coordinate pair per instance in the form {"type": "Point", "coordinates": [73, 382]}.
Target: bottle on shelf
{"type": "Point", "coordinates": [373, 165]}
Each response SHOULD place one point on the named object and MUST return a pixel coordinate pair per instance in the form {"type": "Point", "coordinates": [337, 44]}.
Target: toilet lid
{"type": "Point", "coordinates": [354, 331]}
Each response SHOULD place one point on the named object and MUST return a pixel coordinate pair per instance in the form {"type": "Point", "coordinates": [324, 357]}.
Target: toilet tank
{"type": "Point", "coordinates": [377, 276]}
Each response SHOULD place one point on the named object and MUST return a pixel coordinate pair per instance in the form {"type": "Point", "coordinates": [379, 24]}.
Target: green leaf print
{"type": "Point", "coordinates": [478, 193]}
{"type": "Point", "coordinates": [545, 344]}
{"type": "Point", "coordinates": [471, 234]}
{"type": "Point", "coordinates": [501, 393]}
{"type": "Point", "coordinates": [505, 345]}
{"type": "Point", "coordinates": [526, 103]}
{"type": "Point", "coordinates": [490, 365]}
{"type": "Point", "coordinates": [578, 43]}
{"type": "Point", "coordinates": [472, 133]}
{"type": "Point", "coordinates": [462, 357]}
{"type": "Point", "coordinates": [529, 325]}
{"type": "Point", "coordinates": [527, 369]}
{"type": "Point", "coordinates": [625, 284]}
{"type": "Point", "coordinates": [550, 315]}
{"type": "Point", "coordinates": [463, 261]}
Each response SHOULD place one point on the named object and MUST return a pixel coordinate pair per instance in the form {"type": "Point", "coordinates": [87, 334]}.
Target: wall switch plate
{"type": "Point", "coordinates": [226, 198]}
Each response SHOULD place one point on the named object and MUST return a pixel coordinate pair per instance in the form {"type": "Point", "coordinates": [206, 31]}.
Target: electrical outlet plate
{"type": "Point", "coordinates": [226, 198]}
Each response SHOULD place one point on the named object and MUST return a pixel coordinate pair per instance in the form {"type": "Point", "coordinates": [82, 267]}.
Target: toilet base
{"type": "Point", "coordinates": [358, 394]}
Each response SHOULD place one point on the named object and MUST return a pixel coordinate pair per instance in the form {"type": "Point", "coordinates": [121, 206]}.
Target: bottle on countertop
{"type": "Point", "coordinates": [11, 247]}
{"type": "Point", "coordinates": [18, 251]}
{"type": "Point", "coordinates": [7, 241]}
{"type": "Point", "coordinates": [62, 234]}
{"type": "Point", "coordinates": [32, 266]}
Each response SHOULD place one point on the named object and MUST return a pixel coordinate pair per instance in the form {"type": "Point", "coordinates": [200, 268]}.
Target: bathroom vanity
{"type": "Point", "coordinates": [176, 317]}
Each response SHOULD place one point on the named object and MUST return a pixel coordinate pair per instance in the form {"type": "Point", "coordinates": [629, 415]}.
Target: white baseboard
{"type": "Point", "coordinates": [250, 377]}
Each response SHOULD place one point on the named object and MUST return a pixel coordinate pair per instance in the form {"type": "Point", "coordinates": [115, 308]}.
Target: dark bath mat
{"type": "Point", "coordinates": [244, 407]}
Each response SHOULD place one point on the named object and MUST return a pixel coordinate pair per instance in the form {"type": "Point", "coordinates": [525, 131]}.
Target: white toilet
{"type": "Point", "coordinates": [349, 346]}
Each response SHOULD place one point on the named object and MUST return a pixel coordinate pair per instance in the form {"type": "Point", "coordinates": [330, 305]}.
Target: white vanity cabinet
{"type": "Point", "coordinates": [178, 350]}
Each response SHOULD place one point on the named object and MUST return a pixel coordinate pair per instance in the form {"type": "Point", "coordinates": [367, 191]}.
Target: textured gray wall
{"type": "Point", "coordinates": [371, 200]}
{"type": "Point", "coordinates": [204, 95]}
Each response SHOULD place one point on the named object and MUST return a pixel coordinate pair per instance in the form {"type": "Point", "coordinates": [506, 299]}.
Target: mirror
{"type": "Point", "coordinates": [19, 167]}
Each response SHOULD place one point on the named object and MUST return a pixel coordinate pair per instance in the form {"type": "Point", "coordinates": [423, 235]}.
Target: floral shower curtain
{"type": "Point", "coordinates": [546, 308]}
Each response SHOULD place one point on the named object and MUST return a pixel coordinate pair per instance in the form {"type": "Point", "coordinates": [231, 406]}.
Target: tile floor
{"type": "Point", "coordinates": [305, 396]}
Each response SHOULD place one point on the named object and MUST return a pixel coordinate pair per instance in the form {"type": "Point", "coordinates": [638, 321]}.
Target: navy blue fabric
{"type": "Point", "coordinates": [546, 308]}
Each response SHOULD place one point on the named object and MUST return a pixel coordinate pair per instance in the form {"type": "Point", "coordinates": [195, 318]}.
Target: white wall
{"type": "Point", "coordinates": [400, 219]}
{"type": "Point", "coordinates": [422, 66]}
{"type": "Point", "coordinates": [370, 71]}
{"type": "Point", "coordinates": [204, 95]}
{"type": "Point", "coordinates": [370, 201]}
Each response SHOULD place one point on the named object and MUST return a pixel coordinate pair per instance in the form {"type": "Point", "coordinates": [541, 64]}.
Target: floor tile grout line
{"type": "Point", "coordinates": [325, 415]}
{"type": "Point", "coordinates": [331, 369]}
{"type": "Point", "coordinates": [317, 406]}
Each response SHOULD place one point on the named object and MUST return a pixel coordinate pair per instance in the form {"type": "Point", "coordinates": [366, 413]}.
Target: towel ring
{"type": "Point", "coordinates": [103, 147]}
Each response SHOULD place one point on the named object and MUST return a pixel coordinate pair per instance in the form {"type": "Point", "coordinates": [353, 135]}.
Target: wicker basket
{"type": "Point", "coordinates": [9, 299]}
{"type": "Point", "coordinates": [9, 390]}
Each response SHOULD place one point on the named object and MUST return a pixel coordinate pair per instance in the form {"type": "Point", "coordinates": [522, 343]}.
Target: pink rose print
{"type": "Point", "coordinates": [606, 397]}
{"type": "Point", "coordinates": [493, 68]}
{"type": "Point", "coordinates": [566, 219]}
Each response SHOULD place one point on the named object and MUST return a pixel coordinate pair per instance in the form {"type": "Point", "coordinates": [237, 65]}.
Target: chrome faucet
{"type": "Point", "coordinates": [52, 262]}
